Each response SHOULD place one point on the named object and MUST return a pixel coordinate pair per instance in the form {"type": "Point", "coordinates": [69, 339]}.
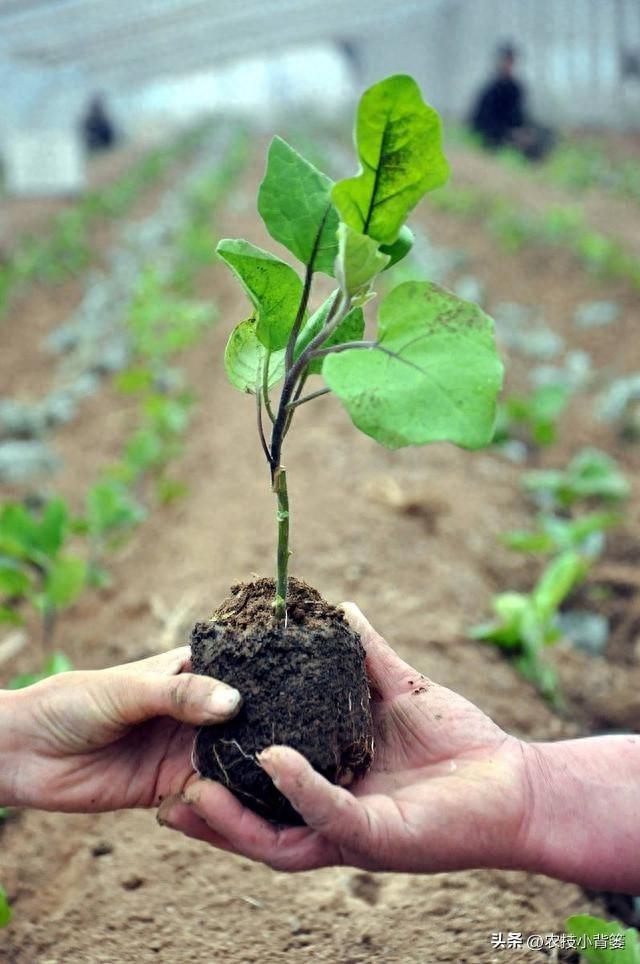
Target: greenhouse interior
{"type": "Point", "coordinates": [319, 481]}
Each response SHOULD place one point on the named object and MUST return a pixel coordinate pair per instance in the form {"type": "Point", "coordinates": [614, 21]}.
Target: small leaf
{"type": "Point", "coordinates": [439, 384]}
{"type": "Point", "coordinates": [57, 663]}
{"type": "Point", "coordinates": [53, 526]}
{"type": "Point", "coordinates": [557, 581]}
{"type": "Point", "coordinates": [14, 581]}
{"type": "Point", "coordinates": [273, 287]}
{"type": "Point", "coordinates": [5, 909]}
{"type": "Point", "coordinates": [351, 328]}
{"type": "Point", "coordinates": [294, 202]}
{"type": "Point", "coordinates": [245, 357]}
{"type": "Point", "coordinates": [358, 261]}
{"type": "Point", "coordinates": [9, 616]}
{"type": "Point", "coordinates": [64, 581]}
{"type": "Point", "coordinates": [400, 247]}
{"type": "Point", "coordinates": [399, 144]}
{"type": "Point", "coordinates": [586, 929]}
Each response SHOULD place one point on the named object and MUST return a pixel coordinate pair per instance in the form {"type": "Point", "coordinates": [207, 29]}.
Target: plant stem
{"type": "Point", "coordinates": [282, 559]}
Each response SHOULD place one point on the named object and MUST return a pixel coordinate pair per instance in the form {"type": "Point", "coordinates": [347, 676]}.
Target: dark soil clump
{"type": "Point", "coordinates": [303, 685]}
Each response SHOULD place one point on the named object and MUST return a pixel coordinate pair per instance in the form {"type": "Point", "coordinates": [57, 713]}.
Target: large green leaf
{"type": "Point", "coordinates": [441, 382]}
{"type": "Point", "coordinates": [245, 357]}
{"type": "Point", "coordinates": [399, 144]}
{"type": "Point", "coordinates": [294, 202]}
{"type": "Point", "coordinates": [358, 262]}
{"type": "Point", "coordinates": [351, 328]}
{"type": "Point", "coordinates": [273, 288]}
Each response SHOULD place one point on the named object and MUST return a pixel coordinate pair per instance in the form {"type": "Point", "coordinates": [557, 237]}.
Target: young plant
{"type": "Point", "coordinates": [35, 569]}
{"type": "Point", "coordinates": [591, 475]}
{"type": "Point", "coordinates": [430, 373]}
{"type": "Point", "coordinates": [525, 624]}
{"type": "Point", "coordinates": [111, 512]}
{"type": "Point", "coordinates": [5, 909]}
{"type": "Point", "coordinates": [534, 417]}
{"type": "Point", "coordinates": [554, 534]}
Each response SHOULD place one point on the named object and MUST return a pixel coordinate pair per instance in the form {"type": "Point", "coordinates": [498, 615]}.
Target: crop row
{"type": "Point", "coordinates": [65, 249]}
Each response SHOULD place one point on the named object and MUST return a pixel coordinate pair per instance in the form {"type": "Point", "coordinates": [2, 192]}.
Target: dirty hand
{"type": "Point", "coordinates": [106, 739]}
{"type": "Point", "coordinates": [448, 788]}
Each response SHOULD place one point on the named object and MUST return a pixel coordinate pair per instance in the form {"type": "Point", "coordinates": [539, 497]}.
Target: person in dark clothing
{"type": "Point", "coordinates": [499, 116]}
{"type": "Point", "coordinates": [97, 129]}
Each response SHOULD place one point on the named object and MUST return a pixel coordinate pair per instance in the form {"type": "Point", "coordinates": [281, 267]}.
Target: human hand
{"type": "Point", "coordinates": [448, 788]}
{"type": "Point", "coordinates": [108, 739]}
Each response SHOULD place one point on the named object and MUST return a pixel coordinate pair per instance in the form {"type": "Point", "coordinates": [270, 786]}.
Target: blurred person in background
{"type": "Point", "coordinates": [499, 116]}
{"type": "Point", "coordinates": [98, 132]}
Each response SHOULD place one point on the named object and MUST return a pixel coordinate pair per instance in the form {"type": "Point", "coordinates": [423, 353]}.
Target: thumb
{"type": "Point", "coordinates": [187, 697]}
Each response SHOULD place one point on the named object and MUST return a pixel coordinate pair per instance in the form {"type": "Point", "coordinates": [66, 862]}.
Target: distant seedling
{"type": "Point", "coordinates": [429, 373]}
{"type": "Point", "coordinates": [591, 475]}
{"type": "Point", "coordinates": [37, 572]}
{"type": "Point", "coordinates": [533, 418]}
{"type": "Point", "coordinates": [525, 624]}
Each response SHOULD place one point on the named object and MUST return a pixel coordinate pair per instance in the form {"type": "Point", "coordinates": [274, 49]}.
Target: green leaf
{"type": "Point", "coordinates": [398, 139]}
{"type": "Point", "coordinates": [294, 202]}
{"type": "Point", "coordinates": [245, 357]}
{"type": "Point", "coordinates": [14, 580]}
{"type": "Point", "coordinates": [400, 247]}
{"type": "Point", "coordinates": [5, 909]}
{"type": "Point", "coordinates": [273, 287]}
{"type": "Point", "coordinates": [111, 506]}
{"type": "Point", "coordinates": [591, 931]}
{"type": "Point", "coordinates": [351, 328]}
{"type": "Point", "coordinates": [56, 663]}
{"type": "Point", "coordinates": [52, 530]}
{"type": "Point", "coordinates": [358, 262]}
{"type": "Point", "coordinates": [557, 581]}
{"type": "Point", "coordinates": [9, 616]}
{"type": "Point", "coordinates": [65, 580]}
{"type": "Point", "coordinates": [441, 382]}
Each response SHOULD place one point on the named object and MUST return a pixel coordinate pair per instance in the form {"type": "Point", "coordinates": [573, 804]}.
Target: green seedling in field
{"type": "Point", "coordinates": [604, 942]}
{"type": "Point", "coordinates": [161, 323]}
{"type": "Point", "coordinates": [55, 663]}
{"type": "Point", "coordinates": [585, 534]}
{"type": "Point", "coordinates": [533, 416]}
{"type": "Point", "coordinates": [525, 624]}
{"type": "Point", "coordinates": [35, 567]}
{"type": "Point", "coordinates": [430, 373]}
{"type": "Point", "coordinates": [5, 909]}
{"type": "Point", "coordinates": [591, 475]}
{"type": "Point", "coordinates": [111, 512]}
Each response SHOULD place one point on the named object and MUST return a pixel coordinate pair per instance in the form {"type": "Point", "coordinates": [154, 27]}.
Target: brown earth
{"type": "Point", "coordinates": [412, 536]}
{"type": "Point", "coordinates": [614, 217]}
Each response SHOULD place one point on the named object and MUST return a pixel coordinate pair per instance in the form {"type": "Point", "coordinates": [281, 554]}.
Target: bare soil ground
{"type": "Point", "coordinates": [413, 538]}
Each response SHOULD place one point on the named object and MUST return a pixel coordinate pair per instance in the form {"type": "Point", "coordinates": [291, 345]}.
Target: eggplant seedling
{"type": "Point", "coordinates": [430, 373]}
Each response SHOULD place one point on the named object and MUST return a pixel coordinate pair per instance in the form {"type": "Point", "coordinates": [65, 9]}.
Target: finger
{"type": "Point", "coordinates": [389, 674]}
{"type": "Point", "coordinates": [187, 697]}
{"type": "Point", "coordinates": [181, 817]}
{"type": "Point", "coordinates": [331, 810]}
{"type": "Point", "coordinates": [247, 834]}
{"type": "Point", "coordinates": [163, 664]}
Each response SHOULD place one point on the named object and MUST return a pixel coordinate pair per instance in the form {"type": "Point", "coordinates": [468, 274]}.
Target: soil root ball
{"type": "Point", "coordinates": [303, 685]}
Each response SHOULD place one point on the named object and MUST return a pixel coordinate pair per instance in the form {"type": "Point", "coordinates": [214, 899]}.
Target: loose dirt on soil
{"type": "Point", "coordinates": [412, 536]}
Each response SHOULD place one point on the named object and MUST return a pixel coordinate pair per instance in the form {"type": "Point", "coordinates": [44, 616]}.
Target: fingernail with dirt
{"type": "Point", "coordinates": [164, 811]}
{"type": "Point", "coordinates": [224, 700]}
{"type": "Point", "coordinates": [268, 763]}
